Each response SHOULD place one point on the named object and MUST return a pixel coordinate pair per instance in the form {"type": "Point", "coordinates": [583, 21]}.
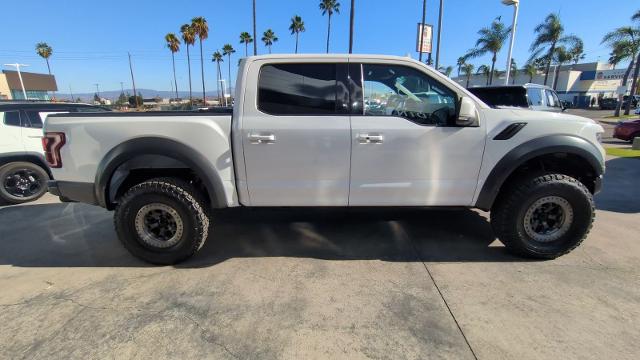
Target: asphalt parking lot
{"type": "Point", "coordinates": [402, 284]}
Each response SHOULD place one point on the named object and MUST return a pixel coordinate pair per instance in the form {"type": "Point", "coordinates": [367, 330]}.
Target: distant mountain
{"type": "Point", "coordinates": [146, 93]}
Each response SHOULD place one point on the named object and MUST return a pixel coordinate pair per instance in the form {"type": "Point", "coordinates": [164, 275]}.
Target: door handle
{"type": "Point", "coordinates": [262, 138]}
{"type": "Point", "coordinates": [370, 138]}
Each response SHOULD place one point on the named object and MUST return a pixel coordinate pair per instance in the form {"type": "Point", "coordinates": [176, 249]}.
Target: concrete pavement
{"type": "Point", "coordinates": [402, 284]}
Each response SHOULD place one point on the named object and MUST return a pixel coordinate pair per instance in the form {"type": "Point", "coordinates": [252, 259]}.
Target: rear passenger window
{"type": "Point", "coordinates": [35, 119]}
{"type": "Point", "coordinates": [535, 97]}
{"type": "Point", "coordinates": [298, 89]}
{"type": "Point", "coordinates": [12, 118]}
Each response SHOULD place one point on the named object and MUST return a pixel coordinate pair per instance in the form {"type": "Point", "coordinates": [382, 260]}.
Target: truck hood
{"type": "Point", "coordinates": [532, 115]}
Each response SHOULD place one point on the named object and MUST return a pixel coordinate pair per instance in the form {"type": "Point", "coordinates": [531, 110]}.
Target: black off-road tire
{"type": "Point", "coordinates": [37, 172]}
{"type": "Point", "coordinates": [178, 195]}
{"type": "Point", "coordinates": [508, 214]}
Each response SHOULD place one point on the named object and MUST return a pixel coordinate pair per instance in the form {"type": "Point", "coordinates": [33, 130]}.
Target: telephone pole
{"type": "Point", "coordinates": [133, 81]}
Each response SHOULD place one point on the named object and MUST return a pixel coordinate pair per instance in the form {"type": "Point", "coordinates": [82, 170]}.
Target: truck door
{"type": "Point", "coordinates": [406, 149]}
{"type": "Point", "coordinates": [296, 135]}
{"type": "Point", "coordinates": [10, 132]}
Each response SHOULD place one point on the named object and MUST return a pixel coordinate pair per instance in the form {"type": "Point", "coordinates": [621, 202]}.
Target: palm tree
{"type": "Point", "coordinates": [228, 50]}
{"type": "Point", "coordinates": [561, 55]}
{"type": "Point", "coordinates": [189, 38]}
{"type": "Point", "coordinates": [217, 58]}
{"type": "Point", "coordinates": [329, 7]}
{"type": "Point", "coordinates": [461, 61]}
{"type": "Point", "coordinates": [45, 51]}
{"type": "Point", "coordinates": [550, 34]}
{"type": "Point", "coordinates": [446, 70]}
{"type": "Point", "coordinates": [484, 70]}
{"type": "Point", "coordinates": [491, 41]}
{"type": "Point", "coordinates": [513, 71]}
{"type": "Point", "coordinates": [625, 44]}
{"type": "Point", "coordinates": [173, 43]}
{"type": "Point", "coordinates": [577, 51]}
{"type": "Point", "coordinates": [618, 54]}
{"type": "Point", "coordinates": [636, 72]}
{"type": "Point", "coordinates": [246, 39]}
{"type": "Point", "coordinates": [269, 37]}
{"type": "Point", "coordinates": [531, 70]}
{"type": "Point", "coordinates": [467, 69]}
{"type": "Point", "coordinates": [201, 30]}
{"type": "Point", "coordinates": [296, 27]}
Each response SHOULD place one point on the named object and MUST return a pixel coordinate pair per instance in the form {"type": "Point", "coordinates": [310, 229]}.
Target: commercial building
{"type": "Point", "coordinates": [37, 86]}
{"type": "Point", "coordinates": [577, 83]}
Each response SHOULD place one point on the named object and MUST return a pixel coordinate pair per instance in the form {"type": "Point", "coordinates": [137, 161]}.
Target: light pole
{"type": "Point", "coordinates": [17, 66]}
{"type": "Point", "coordinates": [224, 95]}
{"type": "Point", "coordinates": [351, 22]}
{"type": "Point", "coordinates": [439, 33]}
{"type": "Point", "coordinates": [424, 15]}
{"type": "Point", "coordinates": [515, 4]}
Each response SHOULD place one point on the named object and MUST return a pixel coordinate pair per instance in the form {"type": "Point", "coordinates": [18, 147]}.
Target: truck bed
{"type": "Point", "coordinates": [93, 137]}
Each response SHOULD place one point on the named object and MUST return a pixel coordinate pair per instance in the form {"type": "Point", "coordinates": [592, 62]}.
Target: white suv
{"type": "Point", "coordinates": [23, 170]}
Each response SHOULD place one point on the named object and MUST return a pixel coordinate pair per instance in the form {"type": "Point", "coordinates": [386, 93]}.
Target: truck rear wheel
{"type": "Point", "coordinates": [543, 217]}
{"type": "Point", "coordinates": [162, 221]}
{"type": "Point", "coordinates": [22, 182]}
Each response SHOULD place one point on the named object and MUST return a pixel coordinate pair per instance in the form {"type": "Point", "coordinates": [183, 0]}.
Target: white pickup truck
{"type": "Point", "coordinates": [332, 131]}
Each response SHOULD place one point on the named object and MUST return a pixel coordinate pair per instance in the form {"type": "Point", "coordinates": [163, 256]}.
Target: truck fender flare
{"type": "Point", "coordinates": [136, 147]}
{"type": "Point", "coordinates": [533, 148]}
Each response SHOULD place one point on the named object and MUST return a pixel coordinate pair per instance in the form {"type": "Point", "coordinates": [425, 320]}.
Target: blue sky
{"type": "Point", "coordinates": [90, 39]}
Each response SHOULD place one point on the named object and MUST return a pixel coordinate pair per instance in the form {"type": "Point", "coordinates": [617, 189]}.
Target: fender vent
{"type": "Point", "coordinates": [510, 131]}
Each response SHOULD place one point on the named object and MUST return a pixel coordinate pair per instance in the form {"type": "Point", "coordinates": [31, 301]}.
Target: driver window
{"type": "Point", "coordinates": [392, 90]}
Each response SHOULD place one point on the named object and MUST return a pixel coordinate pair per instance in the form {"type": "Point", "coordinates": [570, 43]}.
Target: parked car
{"type": "Point", "coordinates": [627, 130]}
{"type": "Point", "coordinates": [23, 169]}
{"type": "Point", "coordinates": [531, 96]}
{"type": "Point", "coordinates": [634, 101]}
{"type": "Point", "coordinates": [566, 104]}
{"type": "Point", "coordinates": [608, 103]}
{"type": "Point", "coordinates": [300, 135]}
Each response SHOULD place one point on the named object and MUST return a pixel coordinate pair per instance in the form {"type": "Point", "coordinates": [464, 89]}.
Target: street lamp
{"type": "Point", "coordinates": [17, 66]}
{"type": "Point", "coordinates": [515, 4]}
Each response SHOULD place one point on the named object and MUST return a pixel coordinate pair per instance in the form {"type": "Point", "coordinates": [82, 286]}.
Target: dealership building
{"type": "Point", "coordinates": [36, 86]}
{"type": "Point", "coordinates": [577, 83]}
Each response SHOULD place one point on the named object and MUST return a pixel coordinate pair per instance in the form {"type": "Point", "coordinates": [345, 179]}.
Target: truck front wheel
{"type": "Point", "coordinates": [544, 216]}
{"type": "Point", "coordinates": [162, 221]}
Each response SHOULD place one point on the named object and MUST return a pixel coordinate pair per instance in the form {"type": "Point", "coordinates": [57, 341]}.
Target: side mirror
{"type": "Point", "coordinates": [468, 114]}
